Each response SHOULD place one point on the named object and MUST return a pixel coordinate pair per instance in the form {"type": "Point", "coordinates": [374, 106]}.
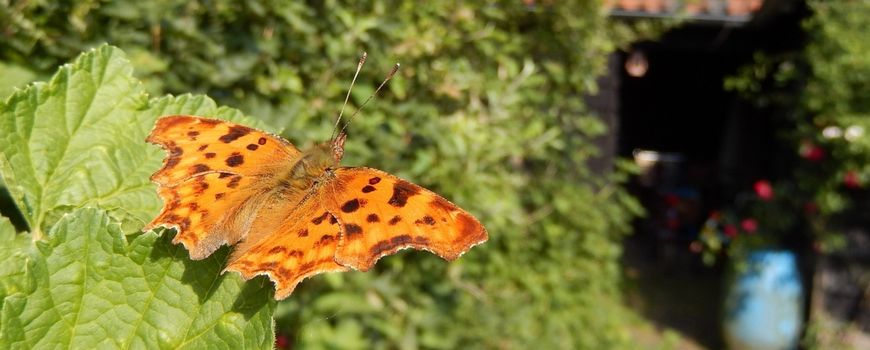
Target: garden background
{"type": "Point", "coordinates": [489, 109]}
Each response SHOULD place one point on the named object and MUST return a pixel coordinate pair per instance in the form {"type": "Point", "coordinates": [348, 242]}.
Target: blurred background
{"type": "Point", "coordinates": [652, 173]}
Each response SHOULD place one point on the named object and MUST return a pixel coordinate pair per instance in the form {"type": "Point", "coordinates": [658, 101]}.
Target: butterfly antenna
{"type": "Point", "coordinates": [389, 76]}
{"type": "Point", "coordinates": [362, 61]}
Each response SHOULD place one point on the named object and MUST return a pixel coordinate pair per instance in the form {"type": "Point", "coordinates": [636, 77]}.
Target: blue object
{"type": "Point", "coordinates": [764, 303]}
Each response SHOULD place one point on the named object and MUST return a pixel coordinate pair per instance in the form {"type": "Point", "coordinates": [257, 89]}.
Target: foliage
{"type": "Point", "coordinates": [74, 280]}
{"type": "Point", "coordinates": [489, 94]}
{"type": "Point", "coordinates": [89, 288]}
{"type": "Point", "coordinates": [820, 95]}
{"type": "Point", "coordinates": [758, 219]}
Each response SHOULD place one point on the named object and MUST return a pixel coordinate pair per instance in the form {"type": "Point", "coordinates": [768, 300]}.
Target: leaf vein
{"type": "Point", "coordinates": [86, 255]}
{"type": "Point", "coordinates": [151, 298]}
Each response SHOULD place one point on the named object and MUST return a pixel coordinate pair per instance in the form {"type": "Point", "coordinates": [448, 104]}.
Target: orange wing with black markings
{"type": "Point", "coordinates": [211, 182]}
{"type": "Point", "coordinates": [206, 211]}
{"type": "Point", "coordinates": [381, 214]}
{"type": "Point", "coordinates": [200, 145]}
{"type": "Point", "coordinates": [300, 243]}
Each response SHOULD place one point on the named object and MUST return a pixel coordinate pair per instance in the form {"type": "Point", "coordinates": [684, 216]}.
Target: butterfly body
{"type": "Point", "coordinates": [314, 166]}
{"type": "Point", "coordinates": [292, 214]}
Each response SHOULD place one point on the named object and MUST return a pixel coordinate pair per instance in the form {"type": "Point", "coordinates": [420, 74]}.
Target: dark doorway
{"type": "Point", "coordinates": [708, 143]}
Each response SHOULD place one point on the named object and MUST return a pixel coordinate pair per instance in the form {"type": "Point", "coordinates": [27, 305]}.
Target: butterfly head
{"type": "Point", "coordinates": [324, 156]}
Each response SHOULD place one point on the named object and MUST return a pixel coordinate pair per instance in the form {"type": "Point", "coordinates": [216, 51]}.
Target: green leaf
{"type": "Point", "coordinates": [94, 290]}
{"type": "Point", "coordinates": [79, 141]}
{"type": "Point", "coordinates": [13, 253]}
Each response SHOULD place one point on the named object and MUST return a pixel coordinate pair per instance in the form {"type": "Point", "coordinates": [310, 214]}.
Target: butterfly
{"type": "Point", "coordinates": [292, 214]}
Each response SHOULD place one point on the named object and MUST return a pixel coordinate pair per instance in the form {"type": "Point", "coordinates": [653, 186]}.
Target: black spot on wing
{"type": "Point", "coordinates": [352, 229]}
{"type": "Point", "coordinates": [395, 220]}
{"type": "Point", "coordinates": [278, 250]}
{"type": "Point", "coordinates": [172, 161]}
{"type": "Point", "coordinates": [199, 168]}
{"type": "Point", "coordinates": [200, 186]}
{"type": "Point", "coordinates": [234, 182]}
{"type": "Point", "coordinates": [325, 239]}
{"type": "Point", "coordinates": [428, 220]}
{"type": "Point", "coordinates": [175, 151]}
{"type": "Point", "coordinates": [387, 246]}
{"type": "Point", "coordinates": [320, 218]}
{"type": "Point", "coordinates": [235, 133]}
{"type": "Point", "coordinates": [351, 205]}
{"type": "Point", "coordinates": [402, 190]}
{"type": "Point", "coordinates": [400, 240]}
{"type": "Point", "coordinates": [373, 218]}
{"type": "Point", "coordinates": [235, 159]}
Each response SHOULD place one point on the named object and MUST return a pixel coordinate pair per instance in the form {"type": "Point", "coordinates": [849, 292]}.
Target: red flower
{"type": "Point", "coordinates": [852, 179]}
{"type": "Point", "coordinates": [811, 152]}
{"type": "Point", "coordinates": [730, 230]}
{"type": "Point", "coordinates": [749, 225]}
{"type": "Point", "coordinates": [282, 342]}
{"type": "Point", "coordinates": [763, 190]}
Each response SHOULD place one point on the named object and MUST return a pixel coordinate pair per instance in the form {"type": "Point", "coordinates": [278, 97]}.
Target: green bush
{"type": "Point", "coordinates": [487, 110]}
{"type": "Point", "coordinates": [818, 97]}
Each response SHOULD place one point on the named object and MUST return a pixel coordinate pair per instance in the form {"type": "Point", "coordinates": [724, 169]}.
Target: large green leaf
{"type": "Point", "coordinates": [76, 143]}
{"type": "Point", "coordinates": [91, 289]}
{"type": "Point", "coordinates": [13, 248]}
{"type": "Point", "coordinates": [79, 140]}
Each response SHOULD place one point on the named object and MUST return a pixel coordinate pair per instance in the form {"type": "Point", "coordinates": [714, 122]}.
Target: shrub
{"type": "Point", "coordinates": [817, 96]}
{"type": "Point", "coordinates": [487, 110]}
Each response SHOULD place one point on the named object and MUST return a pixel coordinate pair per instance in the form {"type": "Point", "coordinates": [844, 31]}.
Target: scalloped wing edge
{"type": "Point", "coordinates": [281, 294]}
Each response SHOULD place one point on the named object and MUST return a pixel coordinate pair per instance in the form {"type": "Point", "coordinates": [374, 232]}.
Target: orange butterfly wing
{"type": "Point", "coordinates": [351, 221]}
{"type": "Point", "coordinates": [211, 181]}
{"type": "Point", "coordinates": [381, 214]}
{"type": "Point", "coordinates": [199, 145]}
{"type": "Point", "coordinates": [300, 243]}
